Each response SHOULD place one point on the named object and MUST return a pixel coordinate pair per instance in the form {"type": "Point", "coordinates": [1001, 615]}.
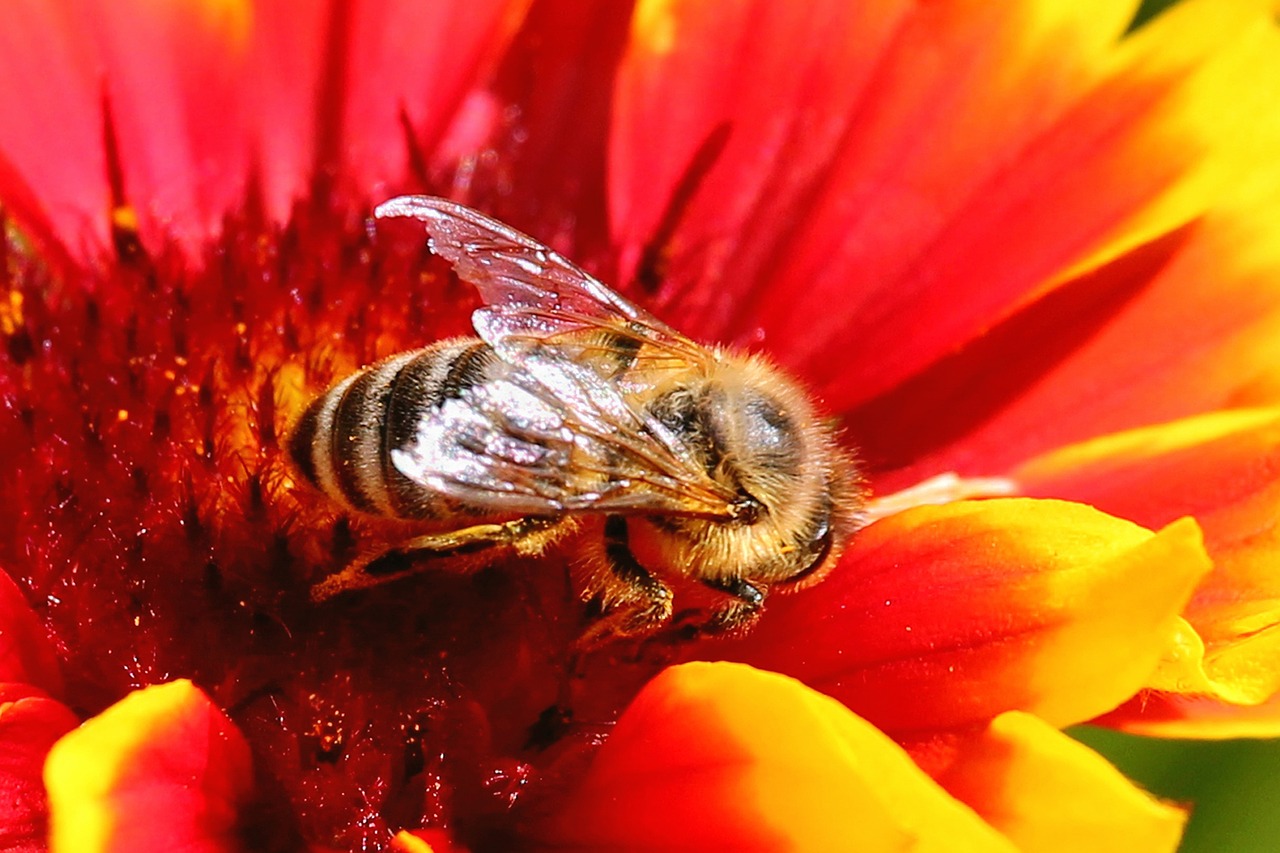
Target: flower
{"type": "Point", "coordinates": [999, 240]}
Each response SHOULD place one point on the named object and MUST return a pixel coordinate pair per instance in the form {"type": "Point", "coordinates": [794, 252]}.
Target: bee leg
{"type": "Point", "coordinates": [739, 613]}
{"type": "Point", "coordinates": [521, 534]}
{"type": "Point", "coordinates": [527, 535]}
{"type": "Point", "coordinates": [635, 601]}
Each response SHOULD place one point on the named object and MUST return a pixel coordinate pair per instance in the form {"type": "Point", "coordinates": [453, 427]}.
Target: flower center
{"type": "Point", "coordinates": [160, 536]}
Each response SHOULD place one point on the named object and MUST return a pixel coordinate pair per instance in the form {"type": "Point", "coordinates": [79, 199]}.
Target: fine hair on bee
{"type": "Point", "coordinates": [576, 413]}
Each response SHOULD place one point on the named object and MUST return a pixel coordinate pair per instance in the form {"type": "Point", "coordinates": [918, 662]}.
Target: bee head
{"type": "Point", "coordinates": [796, 491]}
{"type": "Point", "coordinates": [753, 447]}
{"type": "Point", "coordinates": [759, 437]}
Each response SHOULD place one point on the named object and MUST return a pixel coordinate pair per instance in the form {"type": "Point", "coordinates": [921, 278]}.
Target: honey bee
{"type": "Point", "coordinates": [576, 412]}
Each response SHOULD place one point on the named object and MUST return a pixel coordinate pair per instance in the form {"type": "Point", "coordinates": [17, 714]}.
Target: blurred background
{"type": "Point", "coordinates": [1232, 786]}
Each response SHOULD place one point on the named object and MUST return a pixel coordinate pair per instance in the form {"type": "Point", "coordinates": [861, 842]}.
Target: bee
{"type": "Point", "coordinates": [577, 413]}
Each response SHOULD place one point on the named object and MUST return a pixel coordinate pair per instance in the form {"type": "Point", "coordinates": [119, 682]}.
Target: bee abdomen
{"type": "Point", "coordinates": [337, 443]}
{"type": "Point", "coordinates": [342, 442]}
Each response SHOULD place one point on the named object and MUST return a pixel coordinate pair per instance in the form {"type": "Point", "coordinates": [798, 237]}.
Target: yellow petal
{"type": "Point", "coordinates": [160, 769]}
{"type": "Point", "coordinates": [403, 842]}
{"type": "Point", "coordinates": [1221, 468]}
{"type": "Point", "coordinates": [942, 617]}
{"type": "Point", "coordinates": [721, 756]}
{"type": "Point", "coordinates": [1223, 60]}
{"type": "Point", "coordinates": [1048, 792]}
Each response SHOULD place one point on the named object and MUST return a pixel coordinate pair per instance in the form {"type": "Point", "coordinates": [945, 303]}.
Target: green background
{"type": "Point", "coordinates": [1232, 787]}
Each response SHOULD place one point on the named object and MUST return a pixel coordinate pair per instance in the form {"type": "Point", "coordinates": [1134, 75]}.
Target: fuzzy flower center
{"type": "Point", "coordinates": [165, 539]}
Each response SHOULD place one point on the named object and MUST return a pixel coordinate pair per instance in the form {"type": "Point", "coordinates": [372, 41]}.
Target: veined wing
{"type": "Point", "coordinates": [535, 298]}
{"type": "Point", "coordinates": [583, 360]}
{"type": "Point", "coordinates": [553, 437]}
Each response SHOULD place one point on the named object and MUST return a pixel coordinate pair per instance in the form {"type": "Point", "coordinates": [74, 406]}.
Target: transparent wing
{"type": "Point", "coordinates": [550, 438]}
{"type": "Point", "coordinates": [536, 298]}
{"type": "Point", "coordinates": [570, 411]}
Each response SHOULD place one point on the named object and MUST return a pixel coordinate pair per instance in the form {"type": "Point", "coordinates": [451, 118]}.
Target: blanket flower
{"type": "Point", "coordinates": [1007, 243]}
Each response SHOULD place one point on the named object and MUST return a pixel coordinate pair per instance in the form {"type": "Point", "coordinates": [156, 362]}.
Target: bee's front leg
{"type": "Point", "coordinates": [527, 535]}
{"type": "Point", "coordinates": [633, 600]}
{"type": "Point", "coordinates": [740, 612]}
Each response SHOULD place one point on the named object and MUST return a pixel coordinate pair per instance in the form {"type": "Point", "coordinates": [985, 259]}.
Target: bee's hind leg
{"type": "Point", "coordinates": [527, 535]}
{"type": "Point", "coordinates": [634, 601]}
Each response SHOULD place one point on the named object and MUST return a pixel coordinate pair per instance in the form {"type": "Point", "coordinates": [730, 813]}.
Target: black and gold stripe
{"type": "Point", "coordinates": [431, 377]}
{"type": "Point", "coordinates": [342, 442]}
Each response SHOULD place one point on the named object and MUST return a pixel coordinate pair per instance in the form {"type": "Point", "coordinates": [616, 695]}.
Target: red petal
{"type": "Point", "coordinates": [160, 770]}
{"type": "Point", "coordinates": [892, 117]}
{"type": "Point", "coordinates": [26, 655]}
{"type": "Point", "coordinates": [172, 74]}
{"type": "Point", "coordinates": [941, 618]}
{"type": "Point", "coordinates": [48, 80]}
{"type": "Point", "coordinates": [205, 96]}
{"type": "Point", "coordinates": [29, 725]}
{"type": "Point", "coordinates": [280, 94]}
{"type": "Point", "coordinates": [554, 85]}
{"type": "Point", "coordinates": [362, 89]}
{"type": "Point", "coordinates": [778, 82]}
{"type": "Point", "coordinates": [407, 61]}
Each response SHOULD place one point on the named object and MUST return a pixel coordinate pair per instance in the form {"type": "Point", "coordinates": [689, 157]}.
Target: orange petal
{"type": "Point", "coordinates": [1176, 715]}
{"type": "Point", "coordinates": [1221, 468]}
{"type": "Point", "coordinates": [1048, 792]}
{"type": "Point", "coordinates": [1225, 55]}
{"type": "Point", "coordinates": [1141, 153]}
{"type": "Point", "coordinates": [725, 757]}
{"type": "Point", "coordinates": [29, 725]}
{"type": "Point", "coordinates": [1187, 323]}
{"type": "Point", "coordinates": [942, 617]}
{"type": "Point", "coordinates": [162, 769]}
{"type": "Point", "coordinates": [406, 842]}
{"type": "Point", "coordinates": [26, 655]}
{"type": "Point", "coordinates": [854, 135]}
{"type": "Point", "coordinates": [930, 167]}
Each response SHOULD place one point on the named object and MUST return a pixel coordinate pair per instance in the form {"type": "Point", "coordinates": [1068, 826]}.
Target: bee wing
{"type": "Point", "coordinates": [536, 298]}
{"type": "Point", "coordinates": [551, 436]}
{"type": "Point", "coordinates": [578, 354]}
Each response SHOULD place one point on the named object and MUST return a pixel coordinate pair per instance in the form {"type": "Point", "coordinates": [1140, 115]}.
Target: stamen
{"type": "Point", "coordinates": [942, 489]}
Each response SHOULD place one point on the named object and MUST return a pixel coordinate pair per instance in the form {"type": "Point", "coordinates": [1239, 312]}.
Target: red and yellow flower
{"type": "Point", "coordinates": [1006, 240]}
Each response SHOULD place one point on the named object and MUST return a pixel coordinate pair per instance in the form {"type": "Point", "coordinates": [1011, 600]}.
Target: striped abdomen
{"type": "Point", "coordinates": [342, 442]}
